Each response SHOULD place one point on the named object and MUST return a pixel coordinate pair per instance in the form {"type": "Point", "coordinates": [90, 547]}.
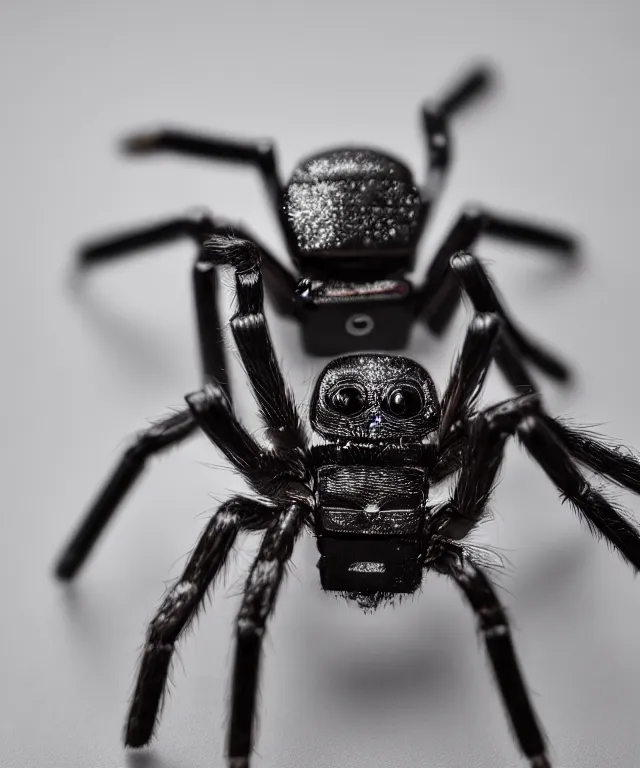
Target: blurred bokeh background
{"type": "Point", "coordinates": [85, 367]}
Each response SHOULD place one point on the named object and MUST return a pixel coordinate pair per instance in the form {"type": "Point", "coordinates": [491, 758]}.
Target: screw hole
{"type": "Point", "coordinates": [359, 325]}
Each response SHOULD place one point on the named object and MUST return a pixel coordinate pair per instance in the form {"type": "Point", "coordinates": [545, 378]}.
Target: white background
{"type": "Point", "coordinates": [557, 139]}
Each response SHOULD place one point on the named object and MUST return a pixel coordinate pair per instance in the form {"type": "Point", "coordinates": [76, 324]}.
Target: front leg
{"type": "Point", "coordinates": [197, 226]}
{"type": "Point", "coordinates": [180, 605]}
{"type": "Point", "coordinates": [485, 342]}
{"type": "Point", "coordinates": [555, 448]}
{"type": "Point", "coordinates": [251, 334]}
{"type": "Point", "coordinates": [258, 603]}
{"type": "Point", "coordinates": [268, 470]}
{"type": "Point", "coordinates": [524, 417]}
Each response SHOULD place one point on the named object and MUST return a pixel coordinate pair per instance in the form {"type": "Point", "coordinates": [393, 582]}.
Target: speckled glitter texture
{"type": "Point", "coordinates": [375, 375]}
{"type": "Point", "coordinates": [358, 199]}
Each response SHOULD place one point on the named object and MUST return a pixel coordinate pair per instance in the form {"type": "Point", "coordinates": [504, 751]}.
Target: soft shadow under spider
{"type": "Point", "coordinates": [148, 758]}
{"type": "Point", "coordinates": [556, 569]}
{"type": "Point", "coordinates": [392, 676]}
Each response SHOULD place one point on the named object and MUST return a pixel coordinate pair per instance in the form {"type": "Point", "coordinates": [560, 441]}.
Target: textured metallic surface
{"type": "Point", "coordinates": [371, 522]}
{"type": "Point", "coordinates": [368, 567]}
{"type": "Point", "coordinates": [328, 291]}
{"type": "Point", "coordinates": [376, 374]}
{"type": "Point", "coordinates": [371, 500]}
{"type": "Point", "coordinates": [356, 199]}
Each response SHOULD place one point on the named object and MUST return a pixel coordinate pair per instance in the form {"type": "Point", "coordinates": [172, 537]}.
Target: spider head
{"type": "Point", "coordinates": [374, 397]}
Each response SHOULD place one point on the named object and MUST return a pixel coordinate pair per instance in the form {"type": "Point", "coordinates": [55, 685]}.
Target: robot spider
{"type": "Point", "coordinates": [352, 219]}
{"type": "Point", "coordinates": [384, 438]}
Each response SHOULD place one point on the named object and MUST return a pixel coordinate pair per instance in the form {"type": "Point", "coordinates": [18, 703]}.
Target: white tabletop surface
{"type": "Point", "coordinates": [558, 139]}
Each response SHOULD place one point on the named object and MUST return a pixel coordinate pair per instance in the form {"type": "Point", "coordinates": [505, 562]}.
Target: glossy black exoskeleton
{"type": "Point", "coordinates": [352, 219]}
{"type": "Point", "coordinates": [383, 438]}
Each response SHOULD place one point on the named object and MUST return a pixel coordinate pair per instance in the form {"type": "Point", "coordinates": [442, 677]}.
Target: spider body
{"type": "Point", "coordinates": [372, 474]}
{"type": "Point", "coordinates": [354, 222]}
{"type": "Point", "coordinates": [352, 219]}
{"type": "Point", "coordinates": [383, 439]}
{"type": "Point", "coordinates": [370, 524]}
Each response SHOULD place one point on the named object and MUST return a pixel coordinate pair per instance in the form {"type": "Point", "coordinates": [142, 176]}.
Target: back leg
{"type": "Point", "coordinates": [435, 125]}
{"type": "Point", "coordinates": [209, 409]}
{"type": "Point", "coordinates": [470, 86]}
{"type": "Point", "coordinates": [260, 155]}
{"type": "Point", "coordinates": [614, 461]}
{"type": "Point", "coordinates": [440, 293]}
{"type": "Point", "coordinates": [170, 431]}
{"type": "Point", "coordinates": [473, 281]}
{"type": "Point", "coordinates": [197, 227]}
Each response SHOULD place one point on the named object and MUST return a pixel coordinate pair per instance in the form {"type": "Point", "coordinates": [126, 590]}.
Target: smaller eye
{"type": "Point", "coordinates": [403, 402]}
{"type": "Point", "coordinates": [347, 400]}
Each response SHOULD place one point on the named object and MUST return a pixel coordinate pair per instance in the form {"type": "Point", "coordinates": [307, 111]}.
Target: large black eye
{"type": "Point", "coordinates": [403, 401]}
{"type": "Point", "coordinates": [347, 400]}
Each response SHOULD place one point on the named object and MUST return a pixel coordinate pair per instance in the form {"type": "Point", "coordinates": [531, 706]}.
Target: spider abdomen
{"type": "Point", "coordinates": [369, 520]}
{"type": "Point", "coordinates": [353, 208]}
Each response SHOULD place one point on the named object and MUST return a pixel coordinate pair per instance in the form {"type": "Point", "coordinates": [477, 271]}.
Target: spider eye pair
{"type": "Point", "coordinates": [401, 400]}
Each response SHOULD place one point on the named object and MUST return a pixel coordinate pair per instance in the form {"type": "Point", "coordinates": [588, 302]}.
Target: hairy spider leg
{"type": "Point", "coordinates": [481, 457]}
{"type": "Point", "coordinates": [199, 226]}
{"type": "Point", "coordinates": [224, 429]}
{"type": "Point", "coordinates": [486, 341]}
{"type": "Point", "coordinates": [258, 603]}
{"type": "Point", "coordinates": [479, 349]}
{"type": "Point", "coordinates": [278, 411]}
{"type": "Point", "coordinates": [524, 416]}
{"type": "Point", "coordinates": [180, 606]}
{"type": "Point", "coordinates": [494, 628]}
{"type": "Point", "coordinates": [251, 334]}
